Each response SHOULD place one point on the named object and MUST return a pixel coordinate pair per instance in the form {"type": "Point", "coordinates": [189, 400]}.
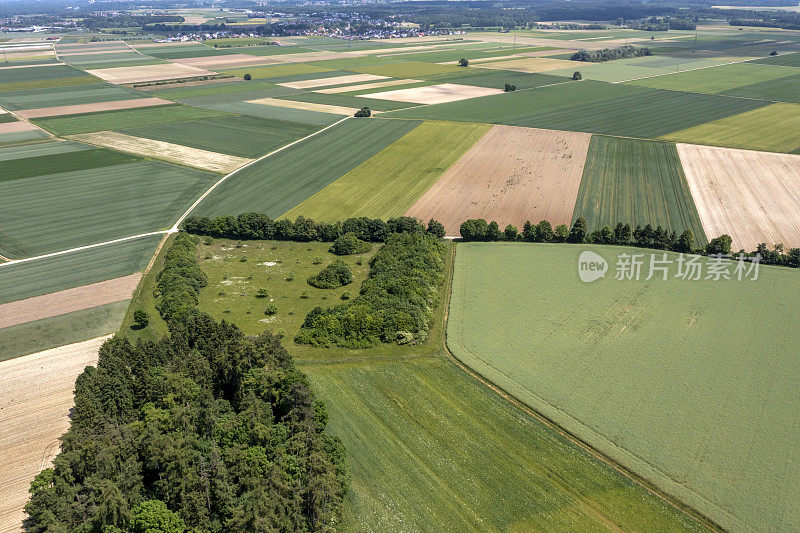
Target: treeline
{"type": "Point", "coordinates": [126, 20]}
{"type": "Point", "coordinates": [396, 301]}
{"type": "Point", "coordinates": [260, 226]}
{"type": "Point", "coordinates": [204, 430]}
{"type": "Point", "coordinates": [785, 23]}
{"type": "Point", "coordinates": [610, 54]}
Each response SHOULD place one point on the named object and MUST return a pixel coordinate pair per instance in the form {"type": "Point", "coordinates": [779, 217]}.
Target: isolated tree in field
{"type": "Point", "coordinates": [578, 231]}
{"type": "Point", "coordinates": [509, 88]}
{"type": "Point", "coordinates": [363, 112]}
{"type": "Point", "coordinates": [435, 228]}
{"type": "Point", "coordinates": [463, 62]}
{"type": "Point", "coordinates": [773, 53]}
{"type": "Point", "coordinates": [562, 233]}
{"type": "Point", "coordinates": [544, 231]}
{"type": "Point", "coordinates": [685, 242]}
{"type": "Point", "coordinates": [510, 233]}
{"type": "Point", "coordinates": [720, 245]}
{"type": "Point", "coordinates": [577, 76]}
{"type": "Point", "coordinates": [140, 319]}
{"type": "Point", "coordinates": [248, 77]}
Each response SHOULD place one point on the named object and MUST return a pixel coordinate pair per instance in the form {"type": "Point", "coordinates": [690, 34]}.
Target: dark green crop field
{"type": "Point", "coordinates": [39, 165]}
{"type": "Point", "coordinates": [61, 96]}
{"type": "Point", "coordinates": [117, 120]}
{"type": "Point", "coordinates": [788, 60]}
{"type": "Point", "coordinates": [636, 182]}
{"type": "Point", "coordinates": [780, 90]}
{"type": "Point", "coordinates": [280, 182]}
{"type": "Point", "coordinates": [244, 136]}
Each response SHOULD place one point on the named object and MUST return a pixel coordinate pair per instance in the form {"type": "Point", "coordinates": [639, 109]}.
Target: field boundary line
{"type": "Point", "coordinates": [197, 202]}
{"type": "Point", "coordinates": [555, 427]}
{"type": "Point", "coordinates": [81, 248]}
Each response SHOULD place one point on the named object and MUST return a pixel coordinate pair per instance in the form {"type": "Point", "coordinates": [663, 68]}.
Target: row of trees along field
{"type": "Point", "coordinates": [204, 430]}
{"type": "Point", "coordinates": [610, 54]}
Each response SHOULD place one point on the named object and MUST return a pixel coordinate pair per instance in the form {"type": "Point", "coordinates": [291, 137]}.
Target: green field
{"type": "Point", "coordinates": [56, 212]}
{"type": "Point", "coordinates": [117, 120]}
{"type": "Point", "coordinates": [389, 183]}
{"type": "Point", "coordinates": [719, 79]}
{"type": "Point", "coordinates": [51, 72]}
{"type": "Point", "coordinates": [348, 100]}
{"type": "Point", "coordinates": [54, 82]}
{"type": "Point", "coordinates": [670, 378]}
{"type": "Point", "coordinates": [237, 135]}
{"type": "Point", "coordinates": [71, 161]}
{"type": "Point", "coordinates": [282, 181]}
{"type": "Point", "coordinates": [62, 96]}
{"type": "Point", "coordinates": [781, 90]}
{"type": "Point", "coordinates": [277, 113]}
{"type": "Point", "coordinates": [41, 149]}
{"type": "Point", "coordinates": [772, 129]}
{"type": "Point", "coordinates": [636, 182]}
{"type": "Point", "coordinates": [788, 60]}
{"type": "Point", "coordinates": [591, 107]}
{"type": "Point", "coordinates": [277, 71]}
{"type": "Point", "coordinates": [43, 276]}
{"type": "Point", "coordinates": [498, 78]}
{"type": "Point", "coordinates": [407, 69]}
{"type": "Point", "coordinates": [64, 329]}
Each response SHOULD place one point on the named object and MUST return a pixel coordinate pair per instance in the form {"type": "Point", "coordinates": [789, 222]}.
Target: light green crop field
{"type": "Point", "coordinates": [277, 113]}
{"type": "Point", "coordinates": [237, 135]}
{"type": "Point", "coordinates": [54, 212]}
{"type": "Point", "coordinates": [781, 90]}
{"type": "Point", "coordinates": [407, 69]}
{"type": "Point", "coordinates": [718, 79]}
{"type": "Point", "coordinates": [61, 96]}
{"type": "Point", "coordinates": [789, 60]}
{"type": "Point", "coordinates": [670, 378]}
{"type": "Point", "coordinates": [51, 82]}
{"type": "Point", "coordinates": [277, 71]}
{"type": "Point", "coordinates": [282, 181]}
{"type": "Point", "coordinates": [43, 276]}
{"type": "Point", "coordinates": [389, 183]}
{"type": "Point", "coordinates": [117, 120]}
{"type": "Point", "coordinates": [47, 333]}
{"type": "Point", "coordinates": [772, 129]}
{"type": "Point", "coordinates": [636, 182]}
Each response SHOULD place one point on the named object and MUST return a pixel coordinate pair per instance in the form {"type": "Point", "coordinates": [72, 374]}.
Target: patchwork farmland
{"type": "Point", "coordinates": [106, 149]}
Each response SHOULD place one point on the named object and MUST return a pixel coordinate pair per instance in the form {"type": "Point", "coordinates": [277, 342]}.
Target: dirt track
{"type": "Point", "coordinates": [67, 301]}
{"type": "Point", "coordinates": [752, 196]}
{"type": "Point", "coordinates": [32, 418]}
{"type": "Point", "coordinates": [511, 175]}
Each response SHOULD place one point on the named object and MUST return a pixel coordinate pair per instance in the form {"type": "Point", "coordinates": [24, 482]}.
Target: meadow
{"type": "Point", "coordinates": [280, 182]}
{"type": "Point", "coordinates": [636, 182]}
{"type": "Point", "coordinates": [387, 184]}
{"type": "Point", "coordinates": [669, 378]}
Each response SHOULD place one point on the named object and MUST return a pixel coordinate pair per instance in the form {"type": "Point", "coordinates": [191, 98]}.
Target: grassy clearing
{"type": "Point", "coordinates": [389, 183]}
{"type": "Point", "coordinates": [717, 79]}
{"type": "Point", "coordinates": [638, 182]}
{"type": "Point", "coordinates": [117, 120]}
{"type": "Point", "coordinates": [422, 437]}
{"type": "Point", "coordinates": [61, 211]}
{"type": "Point", "coordinates": [236, 135]}
{"type": "Point", "coordinates": [772, 129]}
{"type": "Point", "coordinates": [659, 375]}
{"type": "Point", "coordinates": [38, 165]}
{"type": "Point", "coordinates": [60, 330]}
{"type": "Point", "coordinates": [282, 181]}
{"type": "Point", "coordinates": [611, 109]}
{"type": "Point", "coordinates": [780, 90]}
{"type": "Point", "coordinates": [26, 280]}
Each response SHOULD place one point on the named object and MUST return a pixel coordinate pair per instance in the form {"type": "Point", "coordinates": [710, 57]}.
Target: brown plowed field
{"type": "Point", "coordinates": [142, 73]}
{"type": "Point", "coordinates": [752, 196]}
{"type": "Point", "coordinates": [67, 301]}
{"type": "Point", "coordinates": [511, 175]}
{"type": "Point", "coordinates": [36, 395]}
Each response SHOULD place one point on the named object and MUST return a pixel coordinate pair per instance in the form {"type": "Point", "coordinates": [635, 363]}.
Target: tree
{"type": "Point", "coordinates": [510, 233]}
{"type": "Point", "coordinates": [578, 232]}
{"type": "Point", "coordinates": [544, 231]}
{"type": "Point", "coordinates": [510, 88]}
{"type": "Point", "coordinates": [152, 516]}
{"type": "Point", "coordinates": [607, 235]}
{"type": "Point", "coordinates": [773, 53]}
{"type": "Point", "coordinates": [435, 228]}
{"type": "Point", "coordinates": [494, 233]}
{"type": "Point", "coordinates": [720, 245]}
{"type": "Point", "coordinates": [685, 241]}
{"type": "Point", "coordinates": [528, 232]}
{"type": "Point", "coordinates": [622, 233]}
{"type": "Point", "coordinates": [363, 112]}
{"type": "Point", "coordinates": [349, 244]}
{"type": "Point", "coordinates": [474, 230]}
{"type": "Point", "coordinates": [577, 76]}
{"type": "Point", "coordinates": [247, 77]}
{"type": "Point", "coordinates": [562, 233]}
{"type": "Point", "coordinates": [141, 318]}
{"type": "Point", "coordinates": [463, 62]}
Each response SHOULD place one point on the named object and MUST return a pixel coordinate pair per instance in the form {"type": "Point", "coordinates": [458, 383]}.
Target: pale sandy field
{"type": "Point", "coordinates": [531, 65]}
{"type": "Point", "coordinates": [511, 175]}
{"type": "Point", "coordinates": [306, 106]}
{"type": "Point", "coordinates": [36, 394]}
{"type": "Point", "coordinates": [434, 94]}
{"type": "Point", "coordinates": [67, 301]}
{"type": "Point", "coordinates": [226, 61]}
{"type": "Point", "coordinates": [752, 196]}
{"type": "Point", "coordinates": [91, 108]}
{"type": "Point", "coordinates": [366, 86]}
{"type": "Point", "coordinates": [10, 127]}
{"type": "Point", "coordinates": [173, 153]}
{"type": "Point", "coordinates": [336, 80]}
{"type": "Point", "coordinates": [142, 73]}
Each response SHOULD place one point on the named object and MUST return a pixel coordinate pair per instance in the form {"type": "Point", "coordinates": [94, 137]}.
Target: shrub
{"type": "Point", "coordinates": [463, 62]}
{"type": "Point", "coordinates": [270, 310]}
{"type": "Point", "coordinates": [262, 293]}
{"type": "Point", "coordinates": [248, 77]}
{"type": "Point", "coordinates": [141, 319]}
{"type": "Point", "coordinates": [577, 76]}
{"type": "Point", "coordinates": [349, 244]}
{"type": "Point", "coordinates": [773, 53]}
{"type": "Point", "coordinates": [363, 112]}
{"type": "Point", "coordinates": [510, 88]}
{"type": "Point", "coordinates": [337, 274]}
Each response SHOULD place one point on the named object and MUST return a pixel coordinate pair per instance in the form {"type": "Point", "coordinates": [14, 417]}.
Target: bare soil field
{"type": "Point", "coordinates": [365, 86]}
{"type": "Point", "coordinates": [141, 73]}
{"type": "Point", "coordinates": [336, 80]}
{"type": "Point", "coordinates": [9, 127]}
{"type": "Point", "coordinates": [532, 65]}
{"type": "Point", "coordinates": [226, 61]}
{"type": "Point", "coordinates": [91, 108]}
{"type": "Point", "coordinates": [306, 106]}
{"type": "Point", "coordinates": [166, 151]}
{"type": "Point", "coordinates": [752, 196]}
{"type": "Point", "coordinates": [511, 175]}
{"type": "Point", "coordinates": [67, 301]}
{"type": "Point", "coordinates": [33, 418]}
{"type": "Point", "coordinates": [434, 94]}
